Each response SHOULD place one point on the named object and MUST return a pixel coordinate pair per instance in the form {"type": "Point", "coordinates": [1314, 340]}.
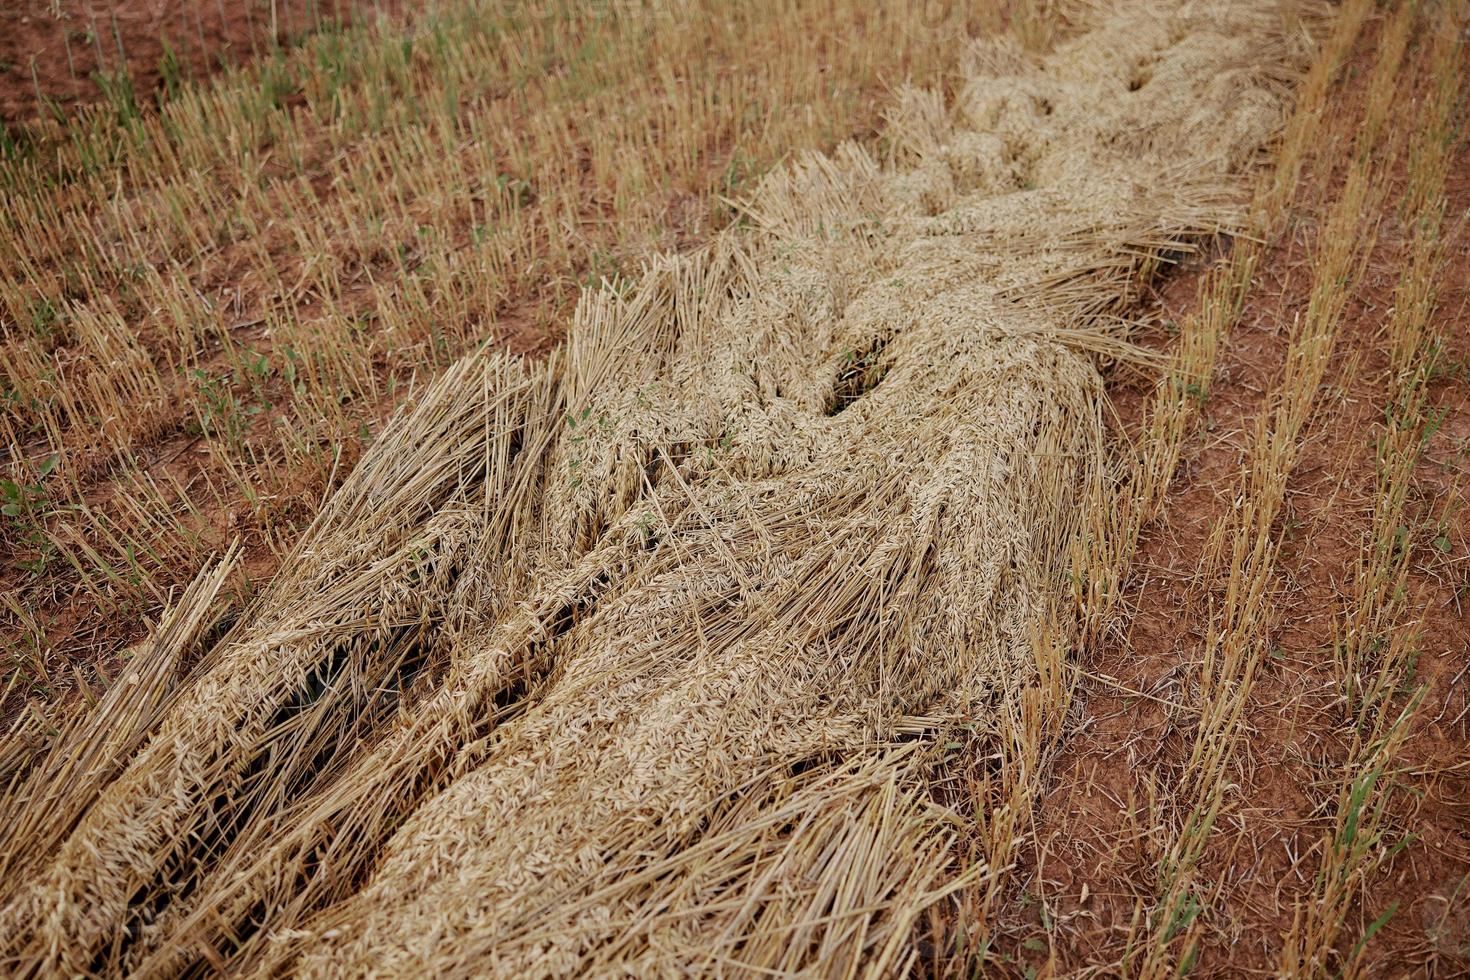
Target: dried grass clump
{"type": "Point", "coordinates": [637, 660]}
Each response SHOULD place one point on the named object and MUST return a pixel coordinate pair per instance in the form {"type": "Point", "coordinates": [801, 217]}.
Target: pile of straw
{"type": "Point", "coordinates": [635, 660]}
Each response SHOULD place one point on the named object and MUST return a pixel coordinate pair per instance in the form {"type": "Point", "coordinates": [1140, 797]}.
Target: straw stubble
{"type": "Point", "coordinates": [635, 660]}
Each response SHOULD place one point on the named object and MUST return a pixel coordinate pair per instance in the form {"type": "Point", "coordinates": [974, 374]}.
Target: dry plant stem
{"type": "Point", "coordinates": [641, 659]}
{"type": "Point", "coordinates": [1240, 569]}
{"type": "Point", "coordinates": [1104, 556]}
{"type": "Point", "coordinates": [46, 797]}
{"type": "Point", "coordinates": [1184, 387]}
{"type": "Point", "coordinates": [243, 284]}
{"type": "Point", "coordinates": [1378, 633]}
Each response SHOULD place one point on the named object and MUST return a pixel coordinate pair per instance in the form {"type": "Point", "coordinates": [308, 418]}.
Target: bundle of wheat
{"type": "Point", "coordinates": [637, 660]}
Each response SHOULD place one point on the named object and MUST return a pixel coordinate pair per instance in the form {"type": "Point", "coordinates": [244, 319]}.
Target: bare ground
{"type": "Point", "coordinates": [1095, 854]}
{"type": "Point", "coordinates": [55, 49]}
{"type": "Point", "coordinates": [1098, 832]}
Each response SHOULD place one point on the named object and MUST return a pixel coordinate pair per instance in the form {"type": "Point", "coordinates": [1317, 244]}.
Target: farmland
{"type": "Point", "coordinates": [763, 487]}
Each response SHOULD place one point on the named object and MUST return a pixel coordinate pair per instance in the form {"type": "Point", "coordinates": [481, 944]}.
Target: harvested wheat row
{"type": "Point", "coordinates": [634, 661]}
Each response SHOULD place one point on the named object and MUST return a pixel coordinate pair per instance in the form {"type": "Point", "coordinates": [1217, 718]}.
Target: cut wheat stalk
{"type": "Point", "coordinates": [642, 659]}
{"type": "Point", "coordinates": [1378, 633]}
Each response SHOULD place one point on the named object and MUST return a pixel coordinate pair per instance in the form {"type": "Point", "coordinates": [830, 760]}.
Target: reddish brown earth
{"type": "Point", "coordinates": [54, 49]}
{"type": "Point", "coordinates": [1099, 837]}
{"type": "Point", "coordinates": [83, 642]}
{"type": "Point", "coordinates": [1095, 856]}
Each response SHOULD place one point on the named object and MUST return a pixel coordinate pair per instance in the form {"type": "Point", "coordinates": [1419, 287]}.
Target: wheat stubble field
{"type": "Point", "coordinates": [755, 489]}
